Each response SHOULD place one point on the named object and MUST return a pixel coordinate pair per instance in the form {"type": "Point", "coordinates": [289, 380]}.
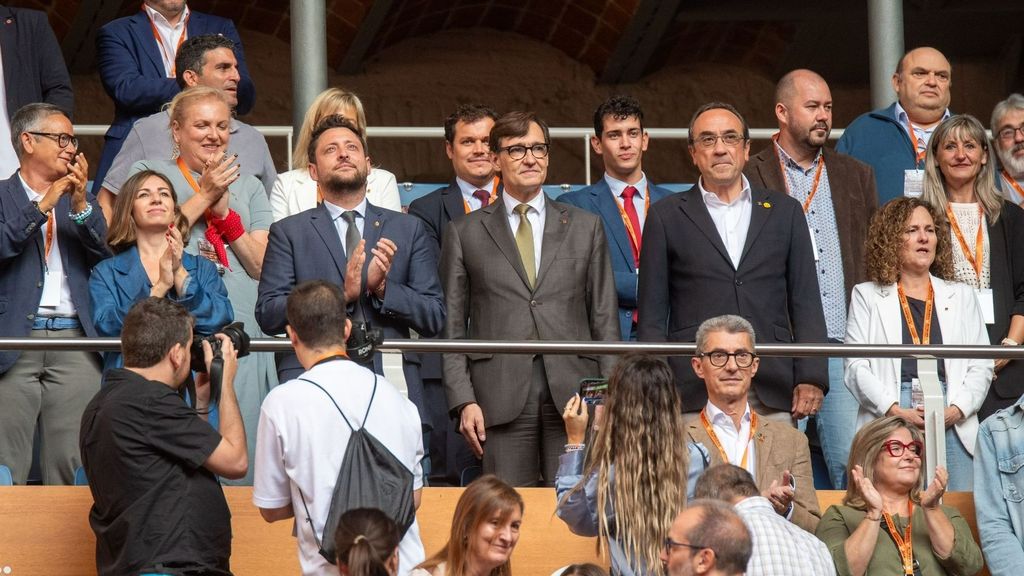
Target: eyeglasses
{"type": "Point", "coordinates": [669, 544]}
{"type": "Point", "coordinates": [62, 139]}
{"type": "Point", "coordinates": [895, 448]}
{"type": "Point", "coordinates": [719, 359]}
{"type": "Point", "coordinates": [730, 139]}
{"type": "Point", "coordinates": [518, 151]}
{"type": "Point", "coordinates": [1009, 133]}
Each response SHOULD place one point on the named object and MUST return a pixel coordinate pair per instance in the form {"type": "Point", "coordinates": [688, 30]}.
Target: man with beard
{"type": "Point", "coordinates": [1008, 132]}
{"type": "Point", "coordinates": [838, 196]}
{"type": "Point", "coordinates": [384, 260]}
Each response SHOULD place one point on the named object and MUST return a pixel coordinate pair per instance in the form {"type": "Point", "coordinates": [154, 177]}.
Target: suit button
{"type": "Point", "coordinates": [739, 282]}
{"type": "Point", "coordinates": [31, 316]}
{"type": "Point", "coordinates": [39, 284]}
{"type": "Point", "coordinates": [629, 314]}
{"type": "Point", "coordinates": [533, 303]}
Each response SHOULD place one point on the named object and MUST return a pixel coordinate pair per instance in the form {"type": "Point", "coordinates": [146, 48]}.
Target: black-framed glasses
{"type": "Point", "coordinates": [1010, 132]}
{"type": "Point", "coordinates": [895, 448]}
{"type": "Point", "coordinates": [669, 544]}
{"type": "Point", "coordinates": [62, 139]}
{"type": "Point", "coordinates": [518, 151]}
{"type": "Point", "coordinates": [730, 139]}
{"type": "Point", "coordinates": [719, 358]}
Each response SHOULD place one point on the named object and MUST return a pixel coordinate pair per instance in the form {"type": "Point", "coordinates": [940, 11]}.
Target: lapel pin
{"type": "Point", "coordinates": [565, 220]}
{"type": "Point", "coordinates": [376, 223]}
{"type": "Point", "coordinates": [9, 21]}
{"type": "Point", "coordinates": [765, 204]}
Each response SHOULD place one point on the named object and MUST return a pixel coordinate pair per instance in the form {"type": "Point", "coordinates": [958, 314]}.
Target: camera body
{"type": "Point", "coordinates": [362, 341]}
{"type": "Point", "coordinates": [235, 331]}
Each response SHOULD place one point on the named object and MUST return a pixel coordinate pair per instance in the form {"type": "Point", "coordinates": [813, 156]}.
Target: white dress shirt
{"type": "Point", "coordinates": [734, 442]}
{"type": "Point", "coordinates": [342, 226]}
{"type": "Point", "coordinates": [617, 186]}
{"type": "Point", "coordinates": [467, 190]}
{"type": "Point", "coordinates": [54, 272]}
{"type": "Point", "coordinates": [170, 35]}
{"type": "Point", "coordinates": [731, 220]}
{"type": "Point", "coordinates": [536, 217]}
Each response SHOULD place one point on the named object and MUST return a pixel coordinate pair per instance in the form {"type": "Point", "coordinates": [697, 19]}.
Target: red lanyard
{"type": "Point", "coordinates": [160, 42]}
{"type": "Point", "coordinates": [913, 142]}
{"type": "Point", "coordinates": [718, 444]}
{"type": "Point", "coordinates": [926, 332]}
{"type": "Point", "coordinates": [625, 219]}
{"type": "Point", "coordinates": [977, 259]}
{"type": "Point", "coordinates": [494, 195]}
{"type": "Point", "coordinates": [785, 180]}
{"type": "Point", "coordinates": [904, 543]}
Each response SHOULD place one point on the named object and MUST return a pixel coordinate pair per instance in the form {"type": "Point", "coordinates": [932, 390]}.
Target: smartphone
{"type": "Point", "coordinates": [592, 390]}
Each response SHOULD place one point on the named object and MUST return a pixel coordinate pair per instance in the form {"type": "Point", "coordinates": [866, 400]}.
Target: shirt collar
{"type": "Point", "coordinates": [788, 160]}
{"type": "Point", "coordinates": [617, 186]}
{"type": "Point", "coordinates": [902, 117]}
{"type": "Point", "coordinates": [717, 417]}
{"type": "Point", "coordinates": [336, 210]}
{"type": "Point", "coordinates": [711, 197]}
{"type": "Point", "coordinates": [755, 503]}
{"type": "Point", "coordinates": [159, 18]}
{"type": "Point", "coordinates": [537, 203]}
{"type": "Point", "coordinates": [33, 196]}
{"type": "Point", "coordinates": [467, 189]}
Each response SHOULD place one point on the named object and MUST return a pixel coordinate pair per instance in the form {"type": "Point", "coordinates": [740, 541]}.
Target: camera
{"type": "Point", "coordinates": [235, 331]}
{"type": "Point", "coordinates": [362, 341]}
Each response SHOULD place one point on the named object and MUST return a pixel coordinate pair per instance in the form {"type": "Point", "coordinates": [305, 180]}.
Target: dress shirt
{"type": "Point", "coordinates": [536, 217]}
{"type": "Point", "coordinates": [467, 190]}
{"type": "Point", "coordinates": [733, 441]}
{"type": "Point", "coordinates": [1009, 192]}
{"type": "Point", "coordinates": [54, 265]}
{"type": "Point", "coordinates": [8, 158]}
{"type": "Point", "coordinates": [617, 186]}
{"type": "Point", "coordinates": [821, 219]}
{"type": "Point", "coordinates": [342, 226]}
{"type": "Point", "coordinates": [781, 547]}
{"type": "Point", "coordinates": [170, 35]}
{"type": "Point", "coordinates": [921, 136]}
{"type": "Point", "coordinates": [731, 220]}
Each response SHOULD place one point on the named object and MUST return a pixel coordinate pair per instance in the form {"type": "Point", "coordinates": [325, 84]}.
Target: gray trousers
{"type": "Point", "coordinates": [525, 451]}
{"type": "Point", "coordinates": [51, 388]}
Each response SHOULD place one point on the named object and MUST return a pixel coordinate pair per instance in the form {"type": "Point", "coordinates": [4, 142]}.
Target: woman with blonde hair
{"type": "Point", "coordinates": [987, 233]}
{"type": "Point", "coordinates": [639, 471]}
{"type": "Point", "coordinates": [485, 530]}
{"type": "Point", "coordinates": [296, 191]}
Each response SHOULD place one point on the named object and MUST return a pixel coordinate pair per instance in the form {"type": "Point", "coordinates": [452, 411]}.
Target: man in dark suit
{"type": "Point", "coordinates": [466, 134]}
{"type": "Point", "coordinates": [53, 235]}
{"type": "Point", "coordinates": [34, 71]}
{"type": "Point", "coordinates": [622, 197]}
{"type": "Point", "coordinates": [838, 196]}
{"type": "Point", "coordinates": [725, 247]}
{"type": "Point", "coordinates": [395, 287]}
{"type": "Point", "coordinates": [135, 56]}
{"type": "Point", "coordinates": [523, 268]}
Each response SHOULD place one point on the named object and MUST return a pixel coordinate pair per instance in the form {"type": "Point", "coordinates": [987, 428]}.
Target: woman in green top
{"type": "Point", "coordinates": [887, 523]}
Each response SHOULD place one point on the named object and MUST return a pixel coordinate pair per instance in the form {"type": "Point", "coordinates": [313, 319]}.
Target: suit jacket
{"type": "Point", "coordinates": [1006, 264]}
{"type": "Point", "coordinates": [777, 448]}
{"type": "Point", "coordinates": [597, 199]}
{"type": "Point", "coordinates": [854, 199]}
{"type": "Point", "coordinates": [22, 260]}
{"type": "Point", "coordinates": [489, 298]}
{"type": "Point", "coordinates": [34, 69]}
{"type": "Point", "coordinates": [688, 277]}
{"type": "Point", "coordinates": [876, 318]}
{"type": "Point", "coordinates": [132, 73]}
{"type": "Point", "coordinates": [306, 246]}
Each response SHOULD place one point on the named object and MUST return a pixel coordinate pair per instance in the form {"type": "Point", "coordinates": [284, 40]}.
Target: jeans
{"type": "Point", "coordinates": [958, 460]}
{"type": "Point", "coordinates": [837, 423]}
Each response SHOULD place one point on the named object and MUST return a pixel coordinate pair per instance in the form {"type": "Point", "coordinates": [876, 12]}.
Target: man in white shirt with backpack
{"type": "Point", "coordinates": [307, 423]}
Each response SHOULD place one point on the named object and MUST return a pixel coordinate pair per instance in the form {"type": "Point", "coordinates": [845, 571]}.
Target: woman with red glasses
{"type": "Point", "coordinates": [889, 524]}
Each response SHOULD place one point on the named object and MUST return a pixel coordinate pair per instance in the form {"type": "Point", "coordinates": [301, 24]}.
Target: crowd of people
{"type": "Point", "coordinates": [908, 232]}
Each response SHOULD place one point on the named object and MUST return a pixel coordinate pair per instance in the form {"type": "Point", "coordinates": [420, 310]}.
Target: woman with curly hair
{"type": "Point", "coordinates": [986, 233]}
{"type": "Point", "coordinates": [912, 298]}
{"type": "Point", "coordinates": [639, 471]}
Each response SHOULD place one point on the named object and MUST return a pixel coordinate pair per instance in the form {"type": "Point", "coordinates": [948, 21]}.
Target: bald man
{"type": "Point", "coordinates": [838, 196]}
{"type": "Point", "coordinates": [893, 140]}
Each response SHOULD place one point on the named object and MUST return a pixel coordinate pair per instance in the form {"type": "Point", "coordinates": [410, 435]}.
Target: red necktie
{"type": "Point", "coordinates": [483, 197]}
{"type": "Point", "coordinates": [634, 221]}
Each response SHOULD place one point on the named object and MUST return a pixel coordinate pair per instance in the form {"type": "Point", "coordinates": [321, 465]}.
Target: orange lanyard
{"type": "Point", "coordinates": [785, 179]}
{"type": "Point", "coordinates": [718, 444]}
{"type": "Point", "coordinates": [977, 259]}
{"type": "Point", "coordinates": [51, 223]}
{"type": "Point", "coordinates": [195, 186]}
{"type": "Point", "coordinates": [913, 142]}
{"type": "Point", "coordinates": [904, 543]}
{"type": "Point", "coordinates": [160, 42]}
{"type": "Point", "coordinates": [625, 219]}
{"type": "Point", "coordinates": [1012, 182]}
{"type": "Point", "coordinates": [494, 195]}
{"type": "Point", "coordinates": [928, 305]}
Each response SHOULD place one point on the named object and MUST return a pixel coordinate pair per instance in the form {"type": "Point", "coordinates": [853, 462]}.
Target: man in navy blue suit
{"type": "Point", "coordinates": [135, 56]}
{"type": "Point", "coordinates": [383, 260]}
{"type": "Point", "coordinates": [621, 198]}
{"type": "Point", "coordinates": [53, 234]}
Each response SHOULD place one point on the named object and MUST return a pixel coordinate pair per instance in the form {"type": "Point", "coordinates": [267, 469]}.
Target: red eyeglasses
{"type": "Point", "coordinates": [895, 448]}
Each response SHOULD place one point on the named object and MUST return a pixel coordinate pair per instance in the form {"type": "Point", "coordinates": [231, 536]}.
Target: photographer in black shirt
{"type": "Point", "coordinates": [152, 460]}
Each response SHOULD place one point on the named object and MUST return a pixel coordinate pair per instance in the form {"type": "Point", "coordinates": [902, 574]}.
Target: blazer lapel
{"type": "Point", "coordinates": [142, 28]}
{"type": "Point", "coordinates": [888, 309]}
{"type": "Point", "coordinates": [700, 436]}
{"type": "Point", "coordinates": [609, 209]}
{"type": "Point", "coordinates": [496, 224]}
{"type": "Point", "coordinates": [693, 207]}
{"type": "Point", "coordinates": [556, 228]}
{"type": "Point", "coordinates": [760, 210]}
{"type": "Point", "coordinates": [452, 202]}
{"type": "Point", "coordinates": [321, 221]}
{"type": "Point", "coordinates": [947, 310]}
{"type": "Point", "coordinates": [762, 450]}
{"type": "Point", "coordinates": [373, 223]}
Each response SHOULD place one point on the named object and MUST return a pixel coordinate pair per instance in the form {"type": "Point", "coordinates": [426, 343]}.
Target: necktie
{"type": "Point", "coordinates": [634, 221]}
{"type": "Point", "coordinates": [352, 234]}
{"type": "Point", "coordinates": [483, 197]}
{"type": "Point", "coordinates": [524, 242]}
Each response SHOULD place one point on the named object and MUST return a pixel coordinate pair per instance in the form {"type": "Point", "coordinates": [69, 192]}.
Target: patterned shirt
{"type": "Point", "coordinates": [969, 220]}
{"type": "Point", "coordinates": [781, 548]}
{"type": "Point", "coordinates": [821, 218]}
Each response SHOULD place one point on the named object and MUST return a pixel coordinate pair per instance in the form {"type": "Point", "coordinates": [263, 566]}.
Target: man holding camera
{"type": "Point", "coordinates": [153, 461]}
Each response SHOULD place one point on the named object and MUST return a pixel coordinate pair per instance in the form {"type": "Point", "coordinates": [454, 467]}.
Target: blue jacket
{"type": "Point", "coordinates": [878, 139]}
{"type": "Point", "coordinates": [21, 260]}
{"type": "Point", "coordinates": [999, 489]}
{"type": "Point", "coordinates": [118, 283]}
{"type": "Point", "coordinates": [132, 72]}
{"type": "Point", "coordinates": [34, 69]}
{"type": "Point", "coordinates": [597, 199]}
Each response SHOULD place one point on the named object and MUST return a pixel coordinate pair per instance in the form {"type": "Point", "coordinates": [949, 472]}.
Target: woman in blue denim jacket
{"type": "Point", "coordinates": [641, 431]}
{"type": "Point", "coordinates": [147, 234]}
{"type": "Point", "coordinates": [999, 489]}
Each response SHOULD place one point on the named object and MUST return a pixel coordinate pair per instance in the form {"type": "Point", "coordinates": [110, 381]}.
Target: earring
{"type": "Point", "coordinates": [175, 151]}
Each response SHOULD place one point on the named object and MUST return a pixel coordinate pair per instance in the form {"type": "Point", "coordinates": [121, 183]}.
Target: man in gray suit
{"type": "Point", "coordinates": [523, 268]}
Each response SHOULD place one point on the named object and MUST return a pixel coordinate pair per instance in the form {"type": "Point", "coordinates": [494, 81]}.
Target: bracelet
{"type": "Point", "coordinates": [230, 227]}
{"type": "Point", "coordinates": [80, 217]}
{"type": "Point", "coordinates": [574, 447]}
{"type": "Point", "coordinates": [1009, 342]}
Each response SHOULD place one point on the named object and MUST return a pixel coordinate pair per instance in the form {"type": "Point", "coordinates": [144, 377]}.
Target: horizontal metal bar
{"type": "Point", "coordinates": [535, 347]}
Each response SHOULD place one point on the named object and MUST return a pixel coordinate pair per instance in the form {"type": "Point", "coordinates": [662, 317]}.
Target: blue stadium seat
{"type": "Point", "coordinates": [80, 479]}
{"type": "Point", "coordinates": [5, 476]}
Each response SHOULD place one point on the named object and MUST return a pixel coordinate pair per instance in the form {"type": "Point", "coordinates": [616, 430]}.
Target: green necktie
{"type": "Point", "coordinates": [524, 242]}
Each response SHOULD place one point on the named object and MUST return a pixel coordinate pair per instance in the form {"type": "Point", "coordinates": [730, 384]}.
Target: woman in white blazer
{"type": "Point", "coordinates": [909, 263]}
{"type": "Point", "coordinates": [295, 191]}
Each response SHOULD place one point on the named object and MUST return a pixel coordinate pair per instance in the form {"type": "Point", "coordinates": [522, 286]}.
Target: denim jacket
{"type": "Point", "coordinates": [999, 489]}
